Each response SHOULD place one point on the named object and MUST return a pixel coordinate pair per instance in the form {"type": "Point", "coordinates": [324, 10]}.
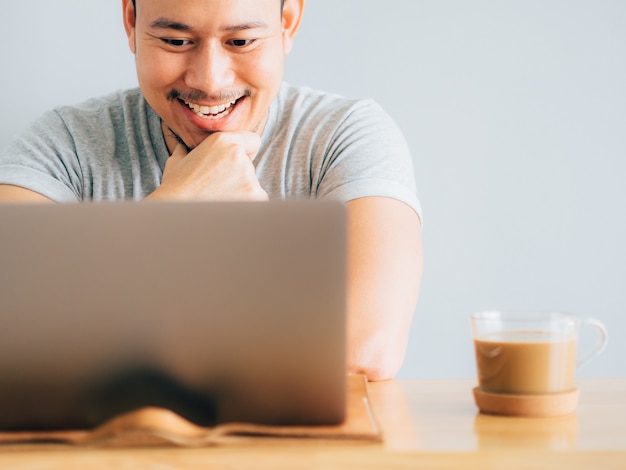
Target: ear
{"type": "Point", "coordinates": [292, 15]}
{"type": "Point", "coordinates": [128, 10]}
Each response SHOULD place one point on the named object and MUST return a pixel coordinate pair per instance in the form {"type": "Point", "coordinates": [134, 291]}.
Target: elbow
{"type": "Point", "coordinates": [376, 362]}
{"type": "Point", "coordinates": [377, 351]}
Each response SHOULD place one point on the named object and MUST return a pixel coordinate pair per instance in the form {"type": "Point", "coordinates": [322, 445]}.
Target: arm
{"type": "Point", "coordinates": [10, 193]}
{"type": "Point", "coordinates": [384, 274]}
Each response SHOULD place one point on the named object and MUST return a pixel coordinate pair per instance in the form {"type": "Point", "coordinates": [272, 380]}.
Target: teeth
{"type": "Point", "coordinates": [210, 111]}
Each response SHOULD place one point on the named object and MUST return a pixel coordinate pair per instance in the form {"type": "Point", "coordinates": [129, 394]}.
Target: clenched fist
{"type": "Point", "coordinates": [220, 168]}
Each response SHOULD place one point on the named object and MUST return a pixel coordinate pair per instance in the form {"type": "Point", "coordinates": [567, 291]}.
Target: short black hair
{"type": "Point", "coordinates": [282, 3]}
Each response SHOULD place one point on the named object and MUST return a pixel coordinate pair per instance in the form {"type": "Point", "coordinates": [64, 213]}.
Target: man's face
{"type": "Point", "coordinates": [208, 65]}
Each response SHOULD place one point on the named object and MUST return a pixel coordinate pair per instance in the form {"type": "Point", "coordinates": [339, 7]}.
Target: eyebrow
{"type": "Point", "coordinates": [165, 23]}
{"type": "Point", "coordinates": [255, 24]}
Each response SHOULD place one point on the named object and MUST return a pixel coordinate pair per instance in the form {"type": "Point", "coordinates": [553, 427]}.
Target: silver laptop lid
{"type": "Point", "coordinates": [218, 311]}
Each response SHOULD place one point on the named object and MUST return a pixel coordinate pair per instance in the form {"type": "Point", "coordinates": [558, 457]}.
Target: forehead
{"type": "Point", "coordinates": [209, 17]}
{"type": "Point", "coordinates": [204, 10]}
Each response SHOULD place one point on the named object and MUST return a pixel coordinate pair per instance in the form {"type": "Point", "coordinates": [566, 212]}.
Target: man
{"type": "Point", "coordinates": [213, 120]}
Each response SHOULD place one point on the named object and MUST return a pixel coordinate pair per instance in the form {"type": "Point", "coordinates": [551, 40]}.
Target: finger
{"type": "Point", "coordinates": [179, 152]}
{"type": "Point", "coordinates": [249, 142]}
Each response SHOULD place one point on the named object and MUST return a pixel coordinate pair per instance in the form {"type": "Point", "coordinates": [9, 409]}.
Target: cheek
{"type": "Point", "coordinates": [266, 71]}
{"type": "Point", "coordinates": [157, 70]}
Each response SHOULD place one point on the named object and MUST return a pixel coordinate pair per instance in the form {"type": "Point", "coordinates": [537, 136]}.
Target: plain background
{"type": "Point", "coordinates": [515, 111]}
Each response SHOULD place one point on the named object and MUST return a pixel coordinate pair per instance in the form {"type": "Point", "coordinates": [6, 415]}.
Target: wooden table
{"type": "Point", "coordinates": [428, 424]}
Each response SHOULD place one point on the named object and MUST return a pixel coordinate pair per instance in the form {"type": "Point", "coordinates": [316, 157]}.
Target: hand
{"type": "Point", "coordinates": [220, 168]}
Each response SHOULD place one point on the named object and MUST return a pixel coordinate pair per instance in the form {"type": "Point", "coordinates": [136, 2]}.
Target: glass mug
{"type": "Point", "coordinates": [530, 352]}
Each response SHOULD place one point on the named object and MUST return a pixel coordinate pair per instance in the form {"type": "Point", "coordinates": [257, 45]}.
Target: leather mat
{"type": "Point", "coordinates": [158, 426]}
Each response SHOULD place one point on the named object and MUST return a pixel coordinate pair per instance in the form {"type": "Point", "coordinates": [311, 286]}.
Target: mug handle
{"type": "Point", "coordinates": [599, 346]}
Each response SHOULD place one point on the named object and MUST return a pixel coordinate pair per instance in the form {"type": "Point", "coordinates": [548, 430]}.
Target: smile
{"type": "Point", "coordinates": [211, 112]}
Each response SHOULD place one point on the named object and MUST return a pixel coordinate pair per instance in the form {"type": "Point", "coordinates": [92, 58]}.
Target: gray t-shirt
{"type": "Point", "coordinates": [314, 145]}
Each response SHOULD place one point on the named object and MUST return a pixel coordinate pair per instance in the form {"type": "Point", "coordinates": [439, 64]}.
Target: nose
{"type": "Point", "coordinates": [210, 69]}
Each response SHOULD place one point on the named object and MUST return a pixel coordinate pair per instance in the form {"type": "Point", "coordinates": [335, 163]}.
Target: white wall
{"type": "Point", "coordinates": [515, 111]}
{"type": "Point", "coordinates": [59, 52]}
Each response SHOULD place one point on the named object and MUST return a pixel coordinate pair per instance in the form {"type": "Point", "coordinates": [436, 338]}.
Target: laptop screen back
{"type": "Point", "coordinates": [218, 311]}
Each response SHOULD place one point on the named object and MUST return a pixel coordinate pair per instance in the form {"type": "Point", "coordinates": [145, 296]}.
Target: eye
{"type": "Point", "coordinates": [176, 42]}
{"type": "Point", "coordinates": [240, 42]}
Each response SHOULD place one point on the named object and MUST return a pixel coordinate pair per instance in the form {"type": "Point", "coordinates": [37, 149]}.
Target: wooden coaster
{"type": "Point", "coordinates": [553, 404]}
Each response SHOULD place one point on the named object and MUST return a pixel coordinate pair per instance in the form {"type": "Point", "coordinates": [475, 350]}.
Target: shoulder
{"type": "Point", "coordinates": [307, 102]}
{"type": "Point", "coordinates": [335, 116]}
{"type": "Point", "coordinates": [303, 96]}
{"type": "Point", "coordinates": [322, 113]}
{"type": "Point", "coordinates": [118, 103]}
{"type": "Point", "coordinates": [111, 120]}
{"type": "Point", "coordinates": [301, 112]}
{"type": "Point", "coordinates": [119, 98]}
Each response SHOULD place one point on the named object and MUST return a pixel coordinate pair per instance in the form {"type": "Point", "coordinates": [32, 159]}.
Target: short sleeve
{"type": "Point", "coordinates": [369, 156]}
{"type": "Point", "coordinates": [43, 159]}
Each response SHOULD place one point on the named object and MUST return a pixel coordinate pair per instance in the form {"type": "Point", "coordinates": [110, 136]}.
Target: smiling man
{"type": "Point", "coordinates": [212, 119]}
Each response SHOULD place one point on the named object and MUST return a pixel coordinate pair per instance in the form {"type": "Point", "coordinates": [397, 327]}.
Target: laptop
{"type": "Point", "coordinates": [218, 311]}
